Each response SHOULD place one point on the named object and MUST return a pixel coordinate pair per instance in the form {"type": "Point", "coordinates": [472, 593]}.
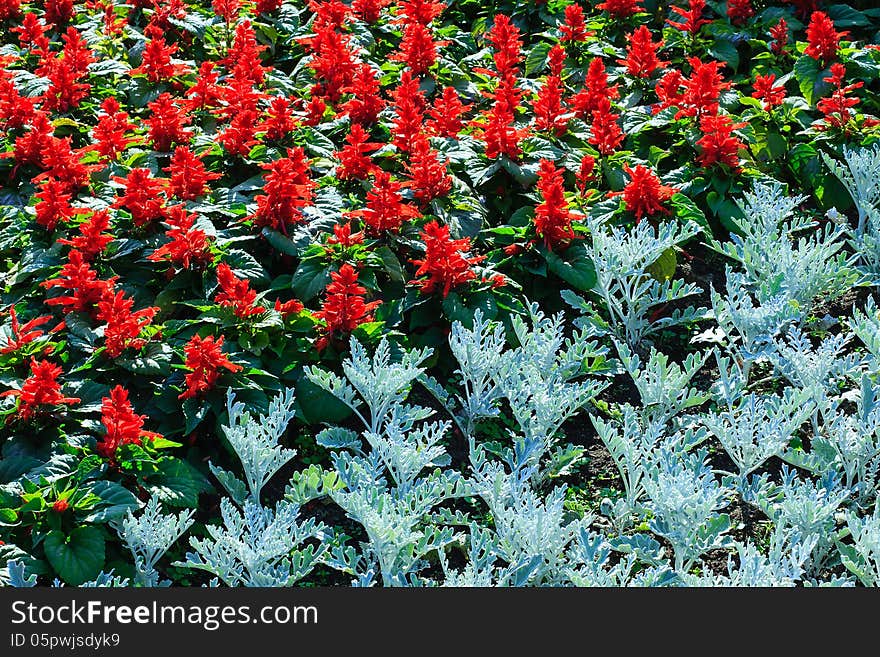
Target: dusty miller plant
{"type": "Point", "coordinates": [861, 177]}
{"type": "Point", "coordinates": [257, 545]}
{"type": "Point", "coordinates": [623, 257]}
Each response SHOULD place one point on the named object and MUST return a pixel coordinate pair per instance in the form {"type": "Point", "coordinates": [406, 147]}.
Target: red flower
{"type": "Point", "coordinates": [366, 102]}
{"type": "Point", "coordinates": [166, 123]}
{"type": "Point", "coordinates": [123, 426]}
{"type": "Point", "coordinates": [499, 133]}
{"type": "Point", "coordinates": [30, 146]}
{"type": "Point", "coordinates": [585, 172]}
{"type": "Point", "coordinates": [287, 190]}
{"type": "Point", "coordinates": [428, 177]}
{"type": "Point", "coordinates": [205, 358]}
{"type": "Point", "coordinates": [123, 326]}
{"type": "Point", "coordinates": [837, 107]}
{"type": "Point", "coordinates": [205, 93]}
{"type": "Point", "coordinates": [287, 308]}
{"type": "Point", "coordinates": [187, 247]}
{"type": "Point", "coordinates": [343, 236]}
{"type": "Point", "coordinates": [15, 110]}
{"type": "Point", "coordinates": [343, 308]}
{"type": "Point", "coordinates": [236, 293]}
{"type": "Point", "coordinates": [739, 10]}
{"type": "Point", "coordinates": [446, 114]}
{"type": "Point", "coordinates": [692, 17]}
{"type": "Point", "coordinates": [279, 120]}
{"type": "Point", "coordinates": [596, 90]}
{"type": "Point", "coordinates": [58, 12]}
{"type": "Point", "coordinates": [504, 37]}
{"type": "Point", "coordinates": [332, 61]}
{"type": "Point", "coordinates": [385, 209]}
{"type": "Point", "coordinates": [189, 178]}
{"type": "Point", "coordinates": [112, 127]}
{"type": "Point", "coordinates": [142, 196]}
{"type": "Point", "coordinates": [605, 133]}
{"type": "Point", "coordinates": [764, 90]}
{"type": "Point", "coordinates": [156, 62]}
{"type": "Point", "coordinates": [718, 143]}
{"type": "Point", "coordinates": [41, 388]}
{"type": "Point", "coordinates": [418, 50]}
{"type": "Point", "coordinates": [60, 506]}
{"type": "Point", "coordinates": [63, 163]}
{"type": "Point", "coordinates": [54, 204]}
{"type": "Point", "coordinates": [409, 107]}
{"type": "Point", "coordinates": [702, 89]}
{"type": "Point", "coordinates": [421, 11]}
{"type": "Point", "coordinates": [23, 335]}
{"type": "Point", "coordinates": [548, 106]}
{"type": "Point", "coordinates": [445, 263]}
{"type": "Point", "coordinates": [641, 55]}
{"type": "Point", "coordinates": [779, 32]}
{"type": "Point", "coordinates": [621, 8]}
{"type": "Point", "coordinates": [82, 281]}
{"type": "Point", "coordinates": [552, 216]}
{"type": "Point", "coordinates": [353, 159]}
{"type": "Point", "coordinates": [9, 9]}
{"type": "Point", "coordinates": [92, 239]}
{"type": "Point", "coordinates": [369, 10]}
{"type": "Point", "coordinates": [31, 34]}
{"type": "Point", "coordinates": [644, 194]}
{"type": "Point", "coordinates": [573, 28]}
{"type": "Point", "coordinates": [228, 10]}
{"type": "Point", "coordinates": [822, 38]}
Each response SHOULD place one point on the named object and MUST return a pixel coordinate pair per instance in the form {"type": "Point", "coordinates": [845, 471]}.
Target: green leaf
{"type": "Point", "coordinates": [178, 483]}
{"type": "Point", "coordinates": [686, 210]}
{"type": "Point", "coordinates": [309, 280]}
{"type": "Point", "coordinates": [77, 557]}
{"type": "Point", "coordinates": [318, 405]}
{"type": "Point", "coordinates": [809, 78]}
{"type": "Point", "coordinates": [663, 268]}
{"type": "Point", "coordinates": [574, 267]}
{"type": "Point", "coordinates": [537, 57]}
{"type": "Point", "coordinates": [725, 51]}
{"type": "Point", "coordinates": [116, 501]}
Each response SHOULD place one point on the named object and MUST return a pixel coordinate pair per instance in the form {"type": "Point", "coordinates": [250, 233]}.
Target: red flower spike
{"type": "Point", "coordinates": [236, 293]}
{"type": "Point", "coordinates": [445, 264]}
{"type": "Point", "coordinates": [418, 50]}
{"type": "Point", "coordinates": [110, 133]}
{"type": "Point", "coordinates": [353, 160]}
{"type": "Point", "coordinates": [605, 134]}
{"type": "Point", "coordinates": [205, 358]}
{"type": "Point", "coordinates": [188, 247]}
{"type": "Point", "coordinates": [385, 209]}
{"type": "Point", "coordinates": [343, 236]}
{"type": "Point", "coordinates": [156, 62]}
{"type": "Point", "coordinates": [141, 196]}
{"type": "Point", "coordinates": [644, 195]}
{"type": "Point", "coordinates": [343, 308]}
{"type": "Point", "coordinates": [446, 114]}
{"type": "Point", "coordinates": [552, 216]}
{"type": "Point", "coordinates": [596, 90]}
{"type": "Point", "coordinates": [54, 204]}
{"type": "Point", "coordinates": [189, 178]}
{"type": "Point", "coordinates": [765, 90]}
{"type": "Point", "coordinates": [692, 17]}
{"type": "Point", "coordinates": [23, 335]}
{"type": "Point", "coordinates": [122, 425]}
{"type": "Point", "coordinates": [366, 102]}
{"type": "Point", "coordinates": [92, 239]}
{"type": "Point", "coordinates": [41, 388]}
{"type": "Point", "coordinates": [574, 29]}
{"type": "Point", "coordinates": [779, 32]}
{"type": "Point", "coordinates": [409, 106]}
{"type": "Point", "coordinates": [77, 277]}
{"type": "Point", "coordinates": [428, 176]}
{"type": "Point", "coordinates": [621, 8]}
{"type": "Point", "coordinates": [123, 326]}
{"type": "Point", "coordinates": [719, 145]}
{"type": "Point", "coordinates": [738, 11]}
{"type": "Point", "coordinates": [369, 10]}
{"type": "Point", "coordinates": [585, 172]}
{"type": "Point", "coordinates": [822, 39]}
{"type": "Point", "coordinates": [205, 93]}
{"type": "Point", "coordinates": [288, 308]}
{"type": "Point", "coordinates": [287, 190]}
{"type": "Point", "coordinates": [279, 121]}
{"type": "Point", "coordinates": [641, 54]}
{"type": "Point", "coordinates": [166, 123]}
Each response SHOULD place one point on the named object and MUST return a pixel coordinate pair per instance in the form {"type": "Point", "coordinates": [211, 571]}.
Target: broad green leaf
{"type": "Point", "coordinates": [77, 557]}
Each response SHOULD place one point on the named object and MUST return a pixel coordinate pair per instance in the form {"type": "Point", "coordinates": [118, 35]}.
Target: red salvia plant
{"type": "Point", "coordinates": [122, 426]}
{"type": "Point", "coordinates": [385, 209]}
{"type": "Point", "coordinates": [24, 334]}
{"type": "Point", "coordinates": [123, 327]}
{"type": "Point", "coordinates": [549, 108]}
{"type": "Point", "coordinates": [692, 17]}
{"type": "Point", "coordinates": [93, 238]}
{"type": "Point", "coordinates": [53, 205]}
{"type": "Point", "coordinates": [369, 10]}
{"type": "Point", "coordinates": [32, 35]}
{"type": "Point", "coordinates": [81, 281]}
{"type": "Point", "coordinates": [621, 8]}
{"type": "Point", "coordinates": [837, 108]}
{"type": "Point", "coordinates": [767, 91]}
{"type": "Point", "coordinates": [702, 89]}
{"type": "Point", "coordinates": [719, 145]}
{"type": "Point", "coordinates": [156, 64]}
{"type": "Point", "coordinates": [409, 109]}
{"type": "Point", "coordinates": [738, 11]}
{"type": "Point", "coordinates": [236, 293]}
{"type": "Point", "coordinates": [446, 264]}
{"type": "Point", "coordinates": [596, 90]}
{"type": "Point", "coordinates": [111, 130]}
{"type": "Point", "coordinates": [41, 388]}
{"type": "Point", "coordinates": [205, 359]}
{"type": "Point", "coordinates": [58, 12]}
{"type": "Point", "coordinates": [779, 33]}
{"type": "Point", "coordinates": [64, 164]}
{"type": "Point", "coordinates": [189, 247]}
{"type": "Point", "coordinates": [573, 28]}
{"type": "Point", "coordinates": [344, 307]}
{"type": "Point", "coordinates": [279, 121]}
{"type": "Point", "coordinates": [822, 39]}
{"type": "Point", "coordinates": [188, 177]}
{"type": "Point", "coordinates": [641, 54]}
{"type": "Point", "coordinates": [605, 132]}
{"type": "Point", "coordinates": [445, 114]}
{"type": "Point", "coordinates": [366, 101]}
{"type": "Point", "coordinates": [553, 216]}
{"type": "Point", "coordinates": [287, 190]}
{"type": "Point", "coordinates": [166, 123]}
{"type": "Point", "coordinates": [354, 163]}
{"type": "Point", "coordinates": [586, 172]}
{"type": "Point", "coordinates": [418, 49]}
{"type": "Point", "coordinates": [644, 194]}
{"type": "Point", "coordinates": [9, 9]}
{"type": "Point", "coordinates": [141, 196]}
{"type": "Point", "coordinates": [205, 93]}
{"type": "Point", "coordinates": [428, 176]}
